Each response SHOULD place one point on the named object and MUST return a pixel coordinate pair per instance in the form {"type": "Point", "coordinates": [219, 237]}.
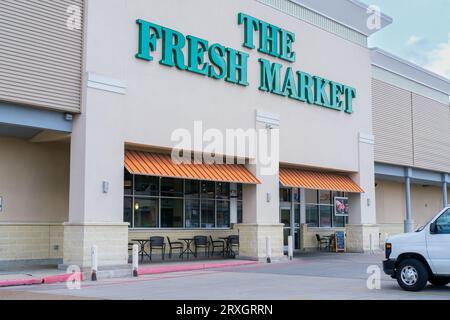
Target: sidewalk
{"type": "Point", "coordinates": [33, 275]}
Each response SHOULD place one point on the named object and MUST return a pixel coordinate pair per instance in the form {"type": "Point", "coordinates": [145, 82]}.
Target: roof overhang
{"type": "Point", "coordinates": [350, 13]}
{"type": "Point", "coordinates": [409, 70]}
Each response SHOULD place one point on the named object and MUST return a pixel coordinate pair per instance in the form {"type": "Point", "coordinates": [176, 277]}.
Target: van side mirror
{"type": "Point", "coordinates": [433, 228]}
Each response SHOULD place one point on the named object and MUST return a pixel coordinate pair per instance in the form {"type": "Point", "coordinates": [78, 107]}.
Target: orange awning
{"type": "Point", "coordinates": [296, 178]}
{"type": "Point", "coordinates": [161, 165]}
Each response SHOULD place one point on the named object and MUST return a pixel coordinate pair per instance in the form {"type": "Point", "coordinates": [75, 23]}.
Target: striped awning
{"type": "Point", "coordinates": [296, 178]}
{"type": "Point", "coordinates": [161, 165]}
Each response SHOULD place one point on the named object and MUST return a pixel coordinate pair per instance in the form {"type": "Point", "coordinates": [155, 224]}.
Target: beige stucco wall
{"type": "Point", "coordinates": [159, 99]}
{"type": "Point", "coordinates": [34, 181]}
{"type": "Point", "coordinates": [426, 201]}
{"type": "Point", "coordinates": [34, 184]}
{"type": "Point", "coordinates": [172, 99]}
{"type": "Point", "coordinates": [30, 241]}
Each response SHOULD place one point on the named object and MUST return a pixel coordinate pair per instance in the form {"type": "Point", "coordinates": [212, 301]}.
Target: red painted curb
{"type": "Point", "coordinates": [47, 280]}
{"type": "Point", "coordinates": [191, 267]}
{"type": "Point", "coordinates": [20, 282]}
{"type": "Point", "coordinates": [63, 277]}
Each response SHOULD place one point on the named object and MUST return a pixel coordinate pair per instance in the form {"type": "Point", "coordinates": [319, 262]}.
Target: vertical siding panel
{"type": "Point", "coordinates": [392, 124]}
{"type": "Point", "coordinates": [40, 58]}
{"type": "Point", "coordinates": [431, 134]}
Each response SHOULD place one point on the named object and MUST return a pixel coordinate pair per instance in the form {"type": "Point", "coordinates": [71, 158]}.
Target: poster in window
{"type": "Point", "coordinates": [341, 206]}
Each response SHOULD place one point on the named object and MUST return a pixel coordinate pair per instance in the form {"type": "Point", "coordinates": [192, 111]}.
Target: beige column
{"type": "Point", "coordinates": [261, 207]}
{"type": "Point", "coordinates": [362, 230]}
{"type": "Point", "coordinates": [97, 146]}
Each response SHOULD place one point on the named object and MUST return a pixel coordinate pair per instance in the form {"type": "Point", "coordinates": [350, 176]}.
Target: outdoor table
{"type": "Point", "coordinates": [329, 239]}
{"type": "Point", "coordinates": [142, 243]}
{"type": "Point", "coordinates": [188, 249]}
{"type": "Point", "coordinates": [228, 248]}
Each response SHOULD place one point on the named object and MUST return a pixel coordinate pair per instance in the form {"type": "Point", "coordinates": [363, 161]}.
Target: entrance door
{"type": "Point", "coordinates": [287, 218]}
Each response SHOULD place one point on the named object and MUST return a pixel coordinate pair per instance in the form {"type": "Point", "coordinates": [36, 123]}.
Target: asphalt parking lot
{"type": "Point", "coordinates": [308, 276]}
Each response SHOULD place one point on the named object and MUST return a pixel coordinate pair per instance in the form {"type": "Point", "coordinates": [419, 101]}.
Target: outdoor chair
{"type": "Point", "coordinates": [201, 242]}
{"type": "Point", "coordinates": [233, 242]}
{"type": "Point", "coordinates": [177, 245]}
{"type": "Point", "coordinates": [217, 244]}
{"type": "Point", "coordinates": [322, 242]}
{"type": "Point", "coordinates": [158, 244]}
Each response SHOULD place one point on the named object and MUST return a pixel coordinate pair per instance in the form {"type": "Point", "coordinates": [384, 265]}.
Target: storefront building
{"type": "Point", "coordinates": [92, 94]}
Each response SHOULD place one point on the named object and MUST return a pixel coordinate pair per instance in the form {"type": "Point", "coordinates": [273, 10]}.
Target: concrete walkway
{"type": "Point", "coordinates": [308, 276]}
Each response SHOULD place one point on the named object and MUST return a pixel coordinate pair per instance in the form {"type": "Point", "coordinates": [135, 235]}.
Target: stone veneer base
{"type": "Point", "coordinates": [252, 241]}
{"type": "Point", "coordinates": [362, 238]}
{"type": "Point", "coordinates": [111, 240]}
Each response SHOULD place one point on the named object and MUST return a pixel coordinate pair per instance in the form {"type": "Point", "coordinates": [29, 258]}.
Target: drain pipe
{"type": "Point", "coordinates": [94, 262]}
{"type": "Point", "coordinates": [135, 260]}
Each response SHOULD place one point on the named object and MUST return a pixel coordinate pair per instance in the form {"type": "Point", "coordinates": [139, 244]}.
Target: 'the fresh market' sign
{"type": "Point", "coordinates": [220, 62]}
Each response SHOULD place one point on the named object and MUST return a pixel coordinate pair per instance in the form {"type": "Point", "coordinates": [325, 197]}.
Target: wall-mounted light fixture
{"type": "Point", "coordinates": [105, 186]}
{"type": "Point", "coordinates": [136, 206]}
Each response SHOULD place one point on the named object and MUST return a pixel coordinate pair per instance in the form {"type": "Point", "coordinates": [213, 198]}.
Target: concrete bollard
{"type": "Point", "coordinates": [371, 243]}
{"type": "Point", "coordinates": [269, 249]}
{"type": "Point", "coordinates": [290, 248]}
{"type": "Point", "coordinates": [94, 262]}
{"type": "Point", "coordinates": [135, 260]}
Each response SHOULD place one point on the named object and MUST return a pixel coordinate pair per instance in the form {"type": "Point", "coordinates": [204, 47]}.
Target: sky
{"type": "Point", "coordinates": [420, 32]}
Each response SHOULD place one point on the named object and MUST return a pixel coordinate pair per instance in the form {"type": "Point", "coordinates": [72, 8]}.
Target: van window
{"type": "Point", "coordinates": [443, 223]}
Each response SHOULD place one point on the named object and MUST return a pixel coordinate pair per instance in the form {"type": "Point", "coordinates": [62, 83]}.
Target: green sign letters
{"type": "Point", "coordinates": [216, 61]}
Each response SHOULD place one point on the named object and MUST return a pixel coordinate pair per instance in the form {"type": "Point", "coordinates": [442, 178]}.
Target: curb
{"type": "Point", "coordinates": [191, 267]}
{"type": "Point", "coordinates": [60, 278]}
{"type": "Point", "coordinates": [20, 282]}
{"type": "Point", "coordinates": [63, 277]}
{"type": "Point", "coordinates": [47, 280]}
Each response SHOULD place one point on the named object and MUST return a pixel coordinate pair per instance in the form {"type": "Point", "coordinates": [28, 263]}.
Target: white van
{"type": "Point", "coordinates": [420, 257]}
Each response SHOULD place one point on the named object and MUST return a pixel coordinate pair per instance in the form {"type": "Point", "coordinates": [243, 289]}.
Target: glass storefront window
{"type": "Point", "coordinates": [325, 197]}
{"type": "Point", "coordinates": [239, 191]}
{"type": "Point", "coordinates": [297, 215]}
{"type": "Point", "coordinates": [145, 213]}
{"type": "Point", "coordinates": [222, 190]}
{"type": "Point", "coordinates": [223, 214]}
{"type": "Point", "coordinates": [339, 194]}
{"type": "Point", "coordinates": [128, 183]}
{"type": "Point", "coordinates": [207, 189]}
{"type": "Point", "coordinates": [296, 195]}
{"type": "Point", "coordinates": [171, 213]}
{"type": "Point", "coordinates": [207, 213]}
{"type": "Point", "coordinates": [326, 214]}
{"type": "Point", "coordinates": [312, 215]}
{"type": "Point", "coordinates": [192, 213]}
{"type": "Point", "coordinates": [128, 210]}
{"type": "Point", "coordinates": [311, 196]}
{"type": "Point", "coordinates": [171, 187]}
{"type": "Point", "coordinates": [319, 206]}
{"type": "Point", "coordinates": [339, 222]}
{"type": "Point", "coordinates": [285, 195]}
{"type": "Point", "coordinates": [192, 189]}
{"type": "Point", "coordinates": [239, 212]}
{"type": "Point", "coordinates": [285, 217]}
{"type": "Point", "coordinates": [155, 202]}
{"type": "Point", "coordinates": [146, 186]}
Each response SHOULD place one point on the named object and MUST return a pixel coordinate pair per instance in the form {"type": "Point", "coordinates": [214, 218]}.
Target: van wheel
{"type": "Point", "coordinates": [412, 275]}
{"type": "Point", "coordinates": [439, 282]}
